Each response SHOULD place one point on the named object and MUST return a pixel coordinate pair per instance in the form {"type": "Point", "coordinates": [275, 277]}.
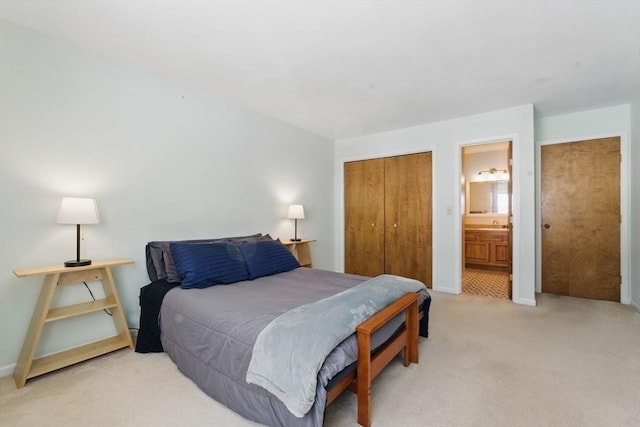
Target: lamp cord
{"type": "Point", "coordinates": [94, 298]}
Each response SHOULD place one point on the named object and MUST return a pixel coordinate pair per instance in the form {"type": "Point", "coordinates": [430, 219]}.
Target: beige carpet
{"type": "Point", "coordinates": [485, 282]}
{"type": "Point", "coordinates": [568, 362]}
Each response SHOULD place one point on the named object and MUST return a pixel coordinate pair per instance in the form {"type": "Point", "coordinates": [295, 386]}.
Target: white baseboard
{"type": "Point", "coordinates": [635, 305]}
{"type": "Point", "coordinates": [445, 290]}
{"type": "Point", "coordinates": [526, 301]}
{"type": "Point", "coordinates": [6, 371]}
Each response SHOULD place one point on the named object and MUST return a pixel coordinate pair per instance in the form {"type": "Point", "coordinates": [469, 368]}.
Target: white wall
{"type": "Point", "coordinates": [634, 253]}
{"type": "Point", "coordinates": [445, 139]}
{"type": "Point", "coordinates": [164, 161]}
{"type": "Point", "coordinates": [612, 121]}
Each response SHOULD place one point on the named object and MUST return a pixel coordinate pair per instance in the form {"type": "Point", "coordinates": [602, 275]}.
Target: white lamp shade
{"type": "Point", "coordinates": [76, 210]}
{"type": "Point", "coordinates": [296, 212]}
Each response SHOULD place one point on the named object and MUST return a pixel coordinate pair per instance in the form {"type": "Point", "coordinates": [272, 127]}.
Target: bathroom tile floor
{"type": "Point", "coordinates": [485, 282]}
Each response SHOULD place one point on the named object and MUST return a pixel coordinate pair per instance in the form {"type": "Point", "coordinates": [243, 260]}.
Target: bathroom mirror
{"type": "Point", "coordinates": [488, 197]}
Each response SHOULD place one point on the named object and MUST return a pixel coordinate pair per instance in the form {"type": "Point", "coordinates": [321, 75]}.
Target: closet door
{"type": "Point", "coordinates": [364, 217]}
{"type": "Point", "coordinates": [407, 208]}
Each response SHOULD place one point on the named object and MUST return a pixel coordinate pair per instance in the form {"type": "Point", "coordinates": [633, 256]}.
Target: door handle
{"type": "Point", "coordinates": [547, 226]}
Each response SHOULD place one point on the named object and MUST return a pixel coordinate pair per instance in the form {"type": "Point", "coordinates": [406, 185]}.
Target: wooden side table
{"type": "Point", "coordinates": [300, 250]}
{"type": "Point", "coordinates": [55, 276]}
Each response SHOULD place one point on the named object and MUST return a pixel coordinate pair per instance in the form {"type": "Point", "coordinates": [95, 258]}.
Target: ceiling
{"type": "Point", "coordinates": [349, 68]}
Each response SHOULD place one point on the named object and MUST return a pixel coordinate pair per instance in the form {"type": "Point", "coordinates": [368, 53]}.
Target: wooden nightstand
{"type": "Point", "coordinates": [300, 250]}
{"type": "Point", "coordinates": [55, 276]}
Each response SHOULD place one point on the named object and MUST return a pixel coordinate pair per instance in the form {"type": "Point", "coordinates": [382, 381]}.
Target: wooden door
{"type": "Point", "coordinates": [580, 192]}
{"type": "Point", "coordinates": [364, 217]}
{"type": "Point", "coordinates": [408, 240]}
{"type": "Point", "coordinates": [509, 253]}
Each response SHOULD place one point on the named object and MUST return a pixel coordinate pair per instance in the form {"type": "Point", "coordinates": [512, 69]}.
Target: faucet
{"type": "Point", "coordinates": [495, 224]}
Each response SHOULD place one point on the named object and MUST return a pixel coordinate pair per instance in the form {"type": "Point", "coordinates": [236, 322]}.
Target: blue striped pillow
{"type": "Point", "coordinates": [267, 257]}
{"type": "Point", "coordinates": [200, 265]}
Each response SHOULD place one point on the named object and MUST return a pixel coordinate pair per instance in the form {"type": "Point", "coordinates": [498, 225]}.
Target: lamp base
{"type": "Point", "coordinates": [77, 262]}
{"type": "Point", "coordinates": [295, 240]}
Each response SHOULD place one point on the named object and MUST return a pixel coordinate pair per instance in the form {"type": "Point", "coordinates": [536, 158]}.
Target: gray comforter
{"type": "Point", "coordinates": [289, 352]}
{"type": "Point", "coordinates": [210, 333]}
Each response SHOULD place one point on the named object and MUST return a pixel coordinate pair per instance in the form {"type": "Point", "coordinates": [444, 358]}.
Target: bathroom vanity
{"type": "Point", "coordinates": [487, 247]}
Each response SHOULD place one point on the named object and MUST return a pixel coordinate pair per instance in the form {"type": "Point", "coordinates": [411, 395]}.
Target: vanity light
{"type": "Point", "coordinates": [493, 174]}
{"type": "Point", "coordinates": [492, 171]}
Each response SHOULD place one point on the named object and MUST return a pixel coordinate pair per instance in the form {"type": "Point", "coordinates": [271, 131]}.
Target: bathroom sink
{"type": "Point", "coordinates": [484, 229]}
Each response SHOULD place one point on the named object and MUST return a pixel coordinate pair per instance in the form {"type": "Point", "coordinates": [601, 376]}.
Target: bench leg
{"type": "Point", "coordinates": [412, 329]}
{"type": "Point", "coordinates": [364, 380]}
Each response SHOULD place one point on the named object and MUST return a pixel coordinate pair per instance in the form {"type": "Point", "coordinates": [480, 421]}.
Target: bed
{"type": "Point", "coordinates": [210, 331]}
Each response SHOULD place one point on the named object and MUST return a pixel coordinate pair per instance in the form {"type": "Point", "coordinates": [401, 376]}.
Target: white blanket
{"type": "Point", "coordinates": [290, 351]}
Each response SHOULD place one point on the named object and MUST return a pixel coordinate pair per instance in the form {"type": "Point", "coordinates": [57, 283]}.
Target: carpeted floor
{"type": "Point", "coordinates": [485, 282]}
{"type": "Point", "coordinates": [487, 363]}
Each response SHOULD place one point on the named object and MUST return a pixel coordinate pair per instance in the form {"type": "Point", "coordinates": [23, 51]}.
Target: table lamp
{"type": "Point", "coordinates": [78, 211]}
{"type": "Point", "coordinates": [296, 212]}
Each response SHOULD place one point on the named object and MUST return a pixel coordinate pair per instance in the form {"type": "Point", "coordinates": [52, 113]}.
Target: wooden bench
{"type": "Point", "coordinates": [370, 364]}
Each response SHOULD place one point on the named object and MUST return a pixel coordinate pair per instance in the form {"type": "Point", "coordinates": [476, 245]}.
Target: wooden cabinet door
{"type": "Point", "coordinates": [580, 189]}
{"type": "Point", "coordinates": [364, 217]}
{"type": "Point", "coordinates": [407, 212]}
{"type": "Point", "coordinates": [500, 254]}
{"type": "Point", "coordinates": [476, 252]}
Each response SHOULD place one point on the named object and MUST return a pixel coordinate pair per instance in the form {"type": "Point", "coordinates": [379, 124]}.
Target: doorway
{"type": "Point", "coordinates": [487, 237]}
{"type": "Point", "coordinates": [581, 219]}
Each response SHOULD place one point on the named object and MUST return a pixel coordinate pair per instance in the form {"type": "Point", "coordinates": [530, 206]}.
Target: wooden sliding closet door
{"type": "Point", "coordinates": [364, 217]}
{"type": "Point", "coordinates": [408, 216]}
{"type": "Point", "coordinates": [388, 216]}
